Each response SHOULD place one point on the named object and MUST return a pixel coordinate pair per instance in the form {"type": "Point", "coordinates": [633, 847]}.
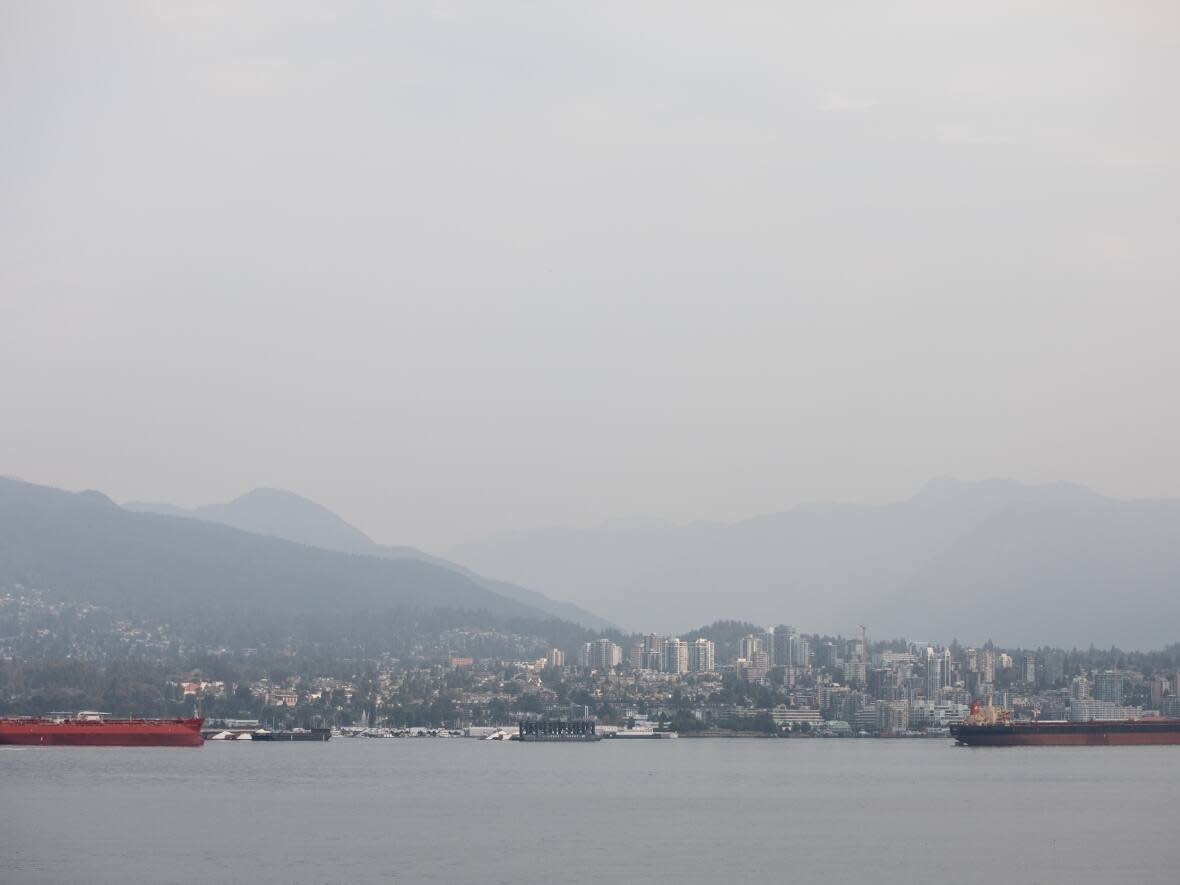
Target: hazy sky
{"type": "Point", "coordinates": [457, 268]}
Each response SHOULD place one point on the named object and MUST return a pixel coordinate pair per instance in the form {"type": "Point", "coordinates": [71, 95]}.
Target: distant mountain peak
{"type": "Point", "coordinates": [283, 514]}
{"type": "Point", "coordinates": [270, 493]}
{"type": "Point", "coordinates": [279, 513]}
{"type": "Point", "coordinates": [97, 497]}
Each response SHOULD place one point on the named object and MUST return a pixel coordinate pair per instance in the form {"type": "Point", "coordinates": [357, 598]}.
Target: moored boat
{"type": "Point", "coordinates": [91, 729]}
{"type": "Point", "coordinates": [987, 727]}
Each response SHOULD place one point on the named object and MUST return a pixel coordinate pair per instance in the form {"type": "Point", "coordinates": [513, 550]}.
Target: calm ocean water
{"type": "Point", "coordinates": [688, 811]}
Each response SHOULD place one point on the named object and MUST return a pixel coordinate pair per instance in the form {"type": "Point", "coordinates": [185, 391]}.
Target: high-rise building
{"type": "Point", "coordinates": [757, 666]}
{"type": "Point", "coordinates": [585, 653]}
{"type": "Point", "coordinates": [701, 656]}
{"type": "Point", "coordinates": [1029, 668]}
{"type": "Point", "coordinates": [556, 658]}
{"type": "Point", "coordinates": [881, 682]}
{"type": "Point", "coordinates": [933, 673]}
{"type": "Point", "coordinates": [987, 664]}
{"type": "Point", "coordinates": [781, 646]}
{"type": "Point", "coordinates": [1160, 687]}
{"type": "Point", "coordinates": [1108, 686]}
{"type": "Point", "coordinates": [1052, 668]}
{"type": "Point", "coordinates": [749, 645]}
{"type": "Point", "coordinates": [854, 671]}
{"type": "Point", "coordinates": [827, 655]}
{"type": "Point", "coordinates": [675, 656]}
{"type": "Point", "coordinates": [653, 648]}
{"type": "Point", "coordinates": [800, 651]}
{"type": "Point", "coordinates": [893, 717]}
{"type": "Point", "coordinates": [605, 655]}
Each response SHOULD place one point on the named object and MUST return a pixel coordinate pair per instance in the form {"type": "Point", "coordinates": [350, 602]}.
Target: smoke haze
{"type": "Point", "coordinates": [453, 269]}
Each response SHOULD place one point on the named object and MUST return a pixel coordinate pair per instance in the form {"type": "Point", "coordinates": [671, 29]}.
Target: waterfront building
{"type": "Point", "coordinates": [1105, 711]}
{"type": "Point", "coordinates": [793, 717]}
{"type": "Point", "coordinates": [893, 717]}
{"type": "Point", "coordinates": [927, 714]}
{"type": "Point", "coordinates": [865, 719]}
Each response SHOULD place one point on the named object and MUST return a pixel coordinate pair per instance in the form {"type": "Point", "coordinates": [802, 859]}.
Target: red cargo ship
{"type": "Point", "coordinates": [988, 727]}
{"type": "Point", "coordinates": [98, 730]}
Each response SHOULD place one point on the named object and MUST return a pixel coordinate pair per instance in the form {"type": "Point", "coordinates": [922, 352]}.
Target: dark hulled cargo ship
{"type": "Point", "coordinates": [100, 730]}
{"type": "Point", "coordinates": [991, 728]}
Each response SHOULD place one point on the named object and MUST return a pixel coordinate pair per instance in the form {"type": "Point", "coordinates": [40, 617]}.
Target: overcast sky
{"type": "Point", "coordinates": [452, 269]}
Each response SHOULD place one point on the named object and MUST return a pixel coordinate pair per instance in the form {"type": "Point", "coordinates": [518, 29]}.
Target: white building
{"type": "Point", "coordinates": [1102, 711]}
{"type": "Point", "coordinates": [702, 656]}
{"type": "Point", "coordinates": [675, 656]}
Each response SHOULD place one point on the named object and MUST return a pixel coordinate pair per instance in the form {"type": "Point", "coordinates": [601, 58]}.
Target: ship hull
{"type": "Point", "coordinates": [104, 733]}
{"type": "Point", "coordinates": [1144, 732]}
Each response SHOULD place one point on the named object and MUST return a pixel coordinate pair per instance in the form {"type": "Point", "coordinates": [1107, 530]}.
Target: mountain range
{"type": "Point", "coordinates": [1023, 565]}
{"type": "Point", "coordinates": [996, 559]}
{"type": "Point", "coordinates": [281, 514]}
{"type": "Point", "coordinates": [224, 584]}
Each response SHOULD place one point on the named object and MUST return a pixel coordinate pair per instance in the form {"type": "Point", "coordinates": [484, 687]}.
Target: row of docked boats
{"type": "Point", "coordinates": [263, 734]}
{"type": "Point", "coordinates": [384, 732]}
